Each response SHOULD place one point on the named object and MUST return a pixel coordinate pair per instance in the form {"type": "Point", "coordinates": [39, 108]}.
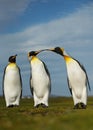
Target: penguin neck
{"type": "Point", "coordinates": [36, 64]}
{"type": "Point", "coordinates": [12, 64]}
{"type": "Point", "coordinates": [67, 58]}
{"type": "Point", "coordinates": [35, 59]}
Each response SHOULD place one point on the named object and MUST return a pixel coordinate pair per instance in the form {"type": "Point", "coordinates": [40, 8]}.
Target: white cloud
{"type": "Point", "coordinates": [74, 29]}
{"type": "Point", "coordinates": [11, 8]}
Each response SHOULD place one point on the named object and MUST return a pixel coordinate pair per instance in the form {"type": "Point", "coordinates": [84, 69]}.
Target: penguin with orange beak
{"type": "Point", "coordinates": [77, 78]}
{"type": "Point", "coordinates": [40, 82]}
{"type": "Point", "coordinates": [12, 83]}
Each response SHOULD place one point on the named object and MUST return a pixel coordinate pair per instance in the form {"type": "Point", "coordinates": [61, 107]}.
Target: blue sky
{"type": "Point", "coordinates": [27, 25]}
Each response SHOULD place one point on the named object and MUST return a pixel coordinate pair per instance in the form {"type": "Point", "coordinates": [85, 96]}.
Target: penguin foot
{"type": "Point", "coordinates": [37, 106]}
{"type": "Point", "coordinates": [10, 106]}
{"type": "Point", "coordinates": [83, 106]}
{"type": "Point", "coordinates": [43, 105]}
{"type": "Point", "coordinates": [76, 106]}
{"type": "Point", "coordinates": [80, 106]}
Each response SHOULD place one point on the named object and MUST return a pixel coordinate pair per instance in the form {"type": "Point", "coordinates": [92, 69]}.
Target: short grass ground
{"type": "Point", "coordinates": [60, 115]}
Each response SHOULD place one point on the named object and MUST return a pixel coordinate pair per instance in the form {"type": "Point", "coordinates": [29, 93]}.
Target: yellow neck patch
{"type": "Point", "coordinates": [68, 59]}
{"type": "Point", "coordinates": [34, 59]}
{"type": "Point", "coordinates": [12, 64]}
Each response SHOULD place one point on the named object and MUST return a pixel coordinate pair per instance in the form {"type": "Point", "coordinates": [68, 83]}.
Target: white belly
{"type": "Point", "coordinates": [40, 80]}
{"type": "Point", "coordinates": [12, 84]}
{"type": "Point", "coordinates": [77, 78]}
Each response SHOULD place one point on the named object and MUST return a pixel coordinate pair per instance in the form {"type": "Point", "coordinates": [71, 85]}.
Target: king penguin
{"type": "Point", "coordinates": [77, 78]}
{"type": "Point", "coordinates": [12, 83]}
{"type": "Point", "coordinates": [40, 82]}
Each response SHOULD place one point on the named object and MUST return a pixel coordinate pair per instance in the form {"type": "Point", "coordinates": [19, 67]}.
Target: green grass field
{"type": "Point", "coordinates": [60, 115]}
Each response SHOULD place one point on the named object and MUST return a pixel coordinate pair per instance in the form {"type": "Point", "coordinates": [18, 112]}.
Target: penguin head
{"type": "Point", "coordinates": [57, 50]}
{"type": "Point", "coordinates": [33, 54]}
{"type": "Point", "coordinates": [12, 59]}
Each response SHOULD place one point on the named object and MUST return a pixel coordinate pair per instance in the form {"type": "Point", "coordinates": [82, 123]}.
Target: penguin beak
{"type": "Point", "coordinates": [15, 56]}
{"type": "Point", "coordinates": [51, 49]}
{"type": "Point", "coordinates": [57, 50]}
{"type": "Point", "coordinates": [37, 52]}
{"type": "Point", "coordinates": [34, 53]}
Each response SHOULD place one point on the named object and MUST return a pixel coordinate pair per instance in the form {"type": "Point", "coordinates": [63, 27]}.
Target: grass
{"type": "Point", "coordinates": [59, 116]}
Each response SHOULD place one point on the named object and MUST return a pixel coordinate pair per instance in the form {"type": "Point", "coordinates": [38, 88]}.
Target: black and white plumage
{"type": "Point", "coordinates": [77, 78]}
{"type": "Point", "coordinates": [12, 83]}
{"type": "Point", "coordinates": [40, 81]}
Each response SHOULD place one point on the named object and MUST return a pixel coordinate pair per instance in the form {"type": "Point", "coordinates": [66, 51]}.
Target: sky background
{"type": "Point", "coordinates": [27, 25]}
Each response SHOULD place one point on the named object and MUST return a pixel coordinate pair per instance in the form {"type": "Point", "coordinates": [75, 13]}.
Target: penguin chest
{"type": "Point", "coordinates": [76, 76]}
{"type": "Point", "coordinates": [40, 79]}
{"type": "Point", "coordinates": [12, 82]}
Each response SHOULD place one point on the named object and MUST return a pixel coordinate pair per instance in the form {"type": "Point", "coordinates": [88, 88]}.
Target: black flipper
{"type": "Point", "coordinates": [3, 80]}
{"type": "Point", "coordinates": [69, 85]}
{"type": "Point", "coordinates": [46, 69]}
{"type": "Point", "coordinates": [20, 81]}
{"type": "Point", "coordinates": [31, 87]}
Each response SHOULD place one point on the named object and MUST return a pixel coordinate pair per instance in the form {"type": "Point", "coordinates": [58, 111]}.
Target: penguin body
{"type": "Point", "coordinates": [77, 78]}
{"type": "Point", "coordinates": [77, 81]}
{"type": "Point", "coordinates": [40, 81]}
{"type": "Point", "coordinates": [12, 83]}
